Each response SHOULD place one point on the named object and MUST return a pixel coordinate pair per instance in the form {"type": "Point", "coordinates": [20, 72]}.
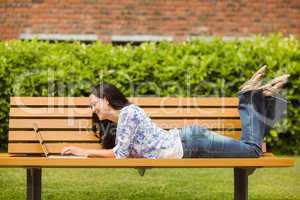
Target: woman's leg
{"type": "Point", "coordinates": [258, 114]}
{"type": "Point", "coordinates": [252, 109]}
{"type": "Point", "coordinates": [255, 110]}
{"type": "Point", "coordinates": [199, 142]}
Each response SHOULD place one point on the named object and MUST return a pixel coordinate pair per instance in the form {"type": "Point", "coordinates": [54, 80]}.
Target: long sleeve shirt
{"type": "Point", "coordinates": [138, 136]}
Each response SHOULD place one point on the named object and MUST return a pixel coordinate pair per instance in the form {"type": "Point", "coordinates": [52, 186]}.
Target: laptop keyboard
{"type": "Point", "coordinates": [66, 156]}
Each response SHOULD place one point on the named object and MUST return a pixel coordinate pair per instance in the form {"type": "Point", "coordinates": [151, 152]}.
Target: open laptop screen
{"type": "Point", "coordinates": [45, 150]}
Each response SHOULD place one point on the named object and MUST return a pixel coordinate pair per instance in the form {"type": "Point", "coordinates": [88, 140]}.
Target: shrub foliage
{"type": "Point", "coordinates": [193, 68]}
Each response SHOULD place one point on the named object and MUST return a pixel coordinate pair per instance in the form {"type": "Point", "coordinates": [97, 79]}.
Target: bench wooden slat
{"type": "Point", "coordinates": [185, 101]}
{"type": "Point", "coordinates": [208, 123]}
{"type": "Point", "coordinates": [141, 101]}
{"type": "Point", "coordinates": [83, 136]}
{"type": "Point", "coordinates": [76, 135]}
{"type": "Point", "coordinates": [56, 147]}
{"type": "Point", "coordinates": [52, 147]}
{"type": "Point", "coordinates": [152, 112]}
{"type": "Point", "coordinates": [16, 123]}
{"type": "Point", "coordinates": [264, 161]}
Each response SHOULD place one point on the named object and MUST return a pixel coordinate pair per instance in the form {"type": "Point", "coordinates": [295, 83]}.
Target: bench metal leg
{"type": "Point", "coordinates": [142, 170]}
{"type": "Point", "coordinates": [241, 182]}
{"type": "Point", "coordinates": [34, 183]}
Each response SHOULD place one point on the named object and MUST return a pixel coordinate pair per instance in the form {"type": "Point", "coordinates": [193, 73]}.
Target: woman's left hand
{"type": "Point", "coordinates": [74, 150]}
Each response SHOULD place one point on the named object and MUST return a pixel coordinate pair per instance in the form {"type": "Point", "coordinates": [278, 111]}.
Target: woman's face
{"type": "Point", "coordinates": [99, 106]}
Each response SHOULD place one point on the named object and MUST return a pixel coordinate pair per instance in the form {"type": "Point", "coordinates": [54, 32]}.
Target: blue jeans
{"type": "Point", "coordinates": [258, 113]}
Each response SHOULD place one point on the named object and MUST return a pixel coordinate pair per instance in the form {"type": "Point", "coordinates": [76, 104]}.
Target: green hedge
{"type": "Point", "coordinates": [195, 68]}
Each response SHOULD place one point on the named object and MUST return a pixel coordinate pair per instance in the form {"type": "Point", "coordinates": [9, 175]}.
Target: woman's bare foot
{"type": "Point", "coordinates": [255, 81]}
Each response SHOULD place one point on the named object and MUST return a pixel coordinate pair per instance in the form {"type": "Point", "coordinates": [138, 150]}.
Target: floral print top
{"type": "Point", "coordinates": [138, 136]}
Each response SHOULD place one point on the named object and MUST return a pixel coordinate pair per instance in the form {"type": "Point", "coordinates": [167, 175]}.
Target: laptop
{"type": "Point", "coordinates": [44, 147]}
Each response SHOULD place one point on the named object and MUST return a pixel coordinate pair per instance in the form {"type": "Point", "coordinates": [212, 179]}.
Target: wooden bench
{"type": "Point", "coordinates": [65, 121]}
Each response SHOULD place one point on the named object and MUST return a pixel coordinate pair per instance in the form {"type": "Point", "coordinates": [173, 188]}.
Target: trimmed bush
{"type": "Point", "coordinates": [195, 68]}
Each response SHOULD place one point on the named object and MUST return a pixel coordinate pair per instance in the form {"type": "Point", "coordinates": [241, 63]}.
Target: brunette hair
{"type": "Point", "coordinates": [105, 130]}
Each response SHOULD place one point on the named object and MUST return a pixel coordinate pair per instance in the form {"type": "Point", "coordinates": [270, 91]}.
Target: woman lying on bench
{"type": "Point", "coordinates": [136, 135]}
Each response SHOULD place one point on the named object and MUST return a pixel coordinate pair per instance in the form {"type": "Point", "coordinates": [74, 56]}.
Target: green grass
{"type": "Point", "coordinates": [162, 184]}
